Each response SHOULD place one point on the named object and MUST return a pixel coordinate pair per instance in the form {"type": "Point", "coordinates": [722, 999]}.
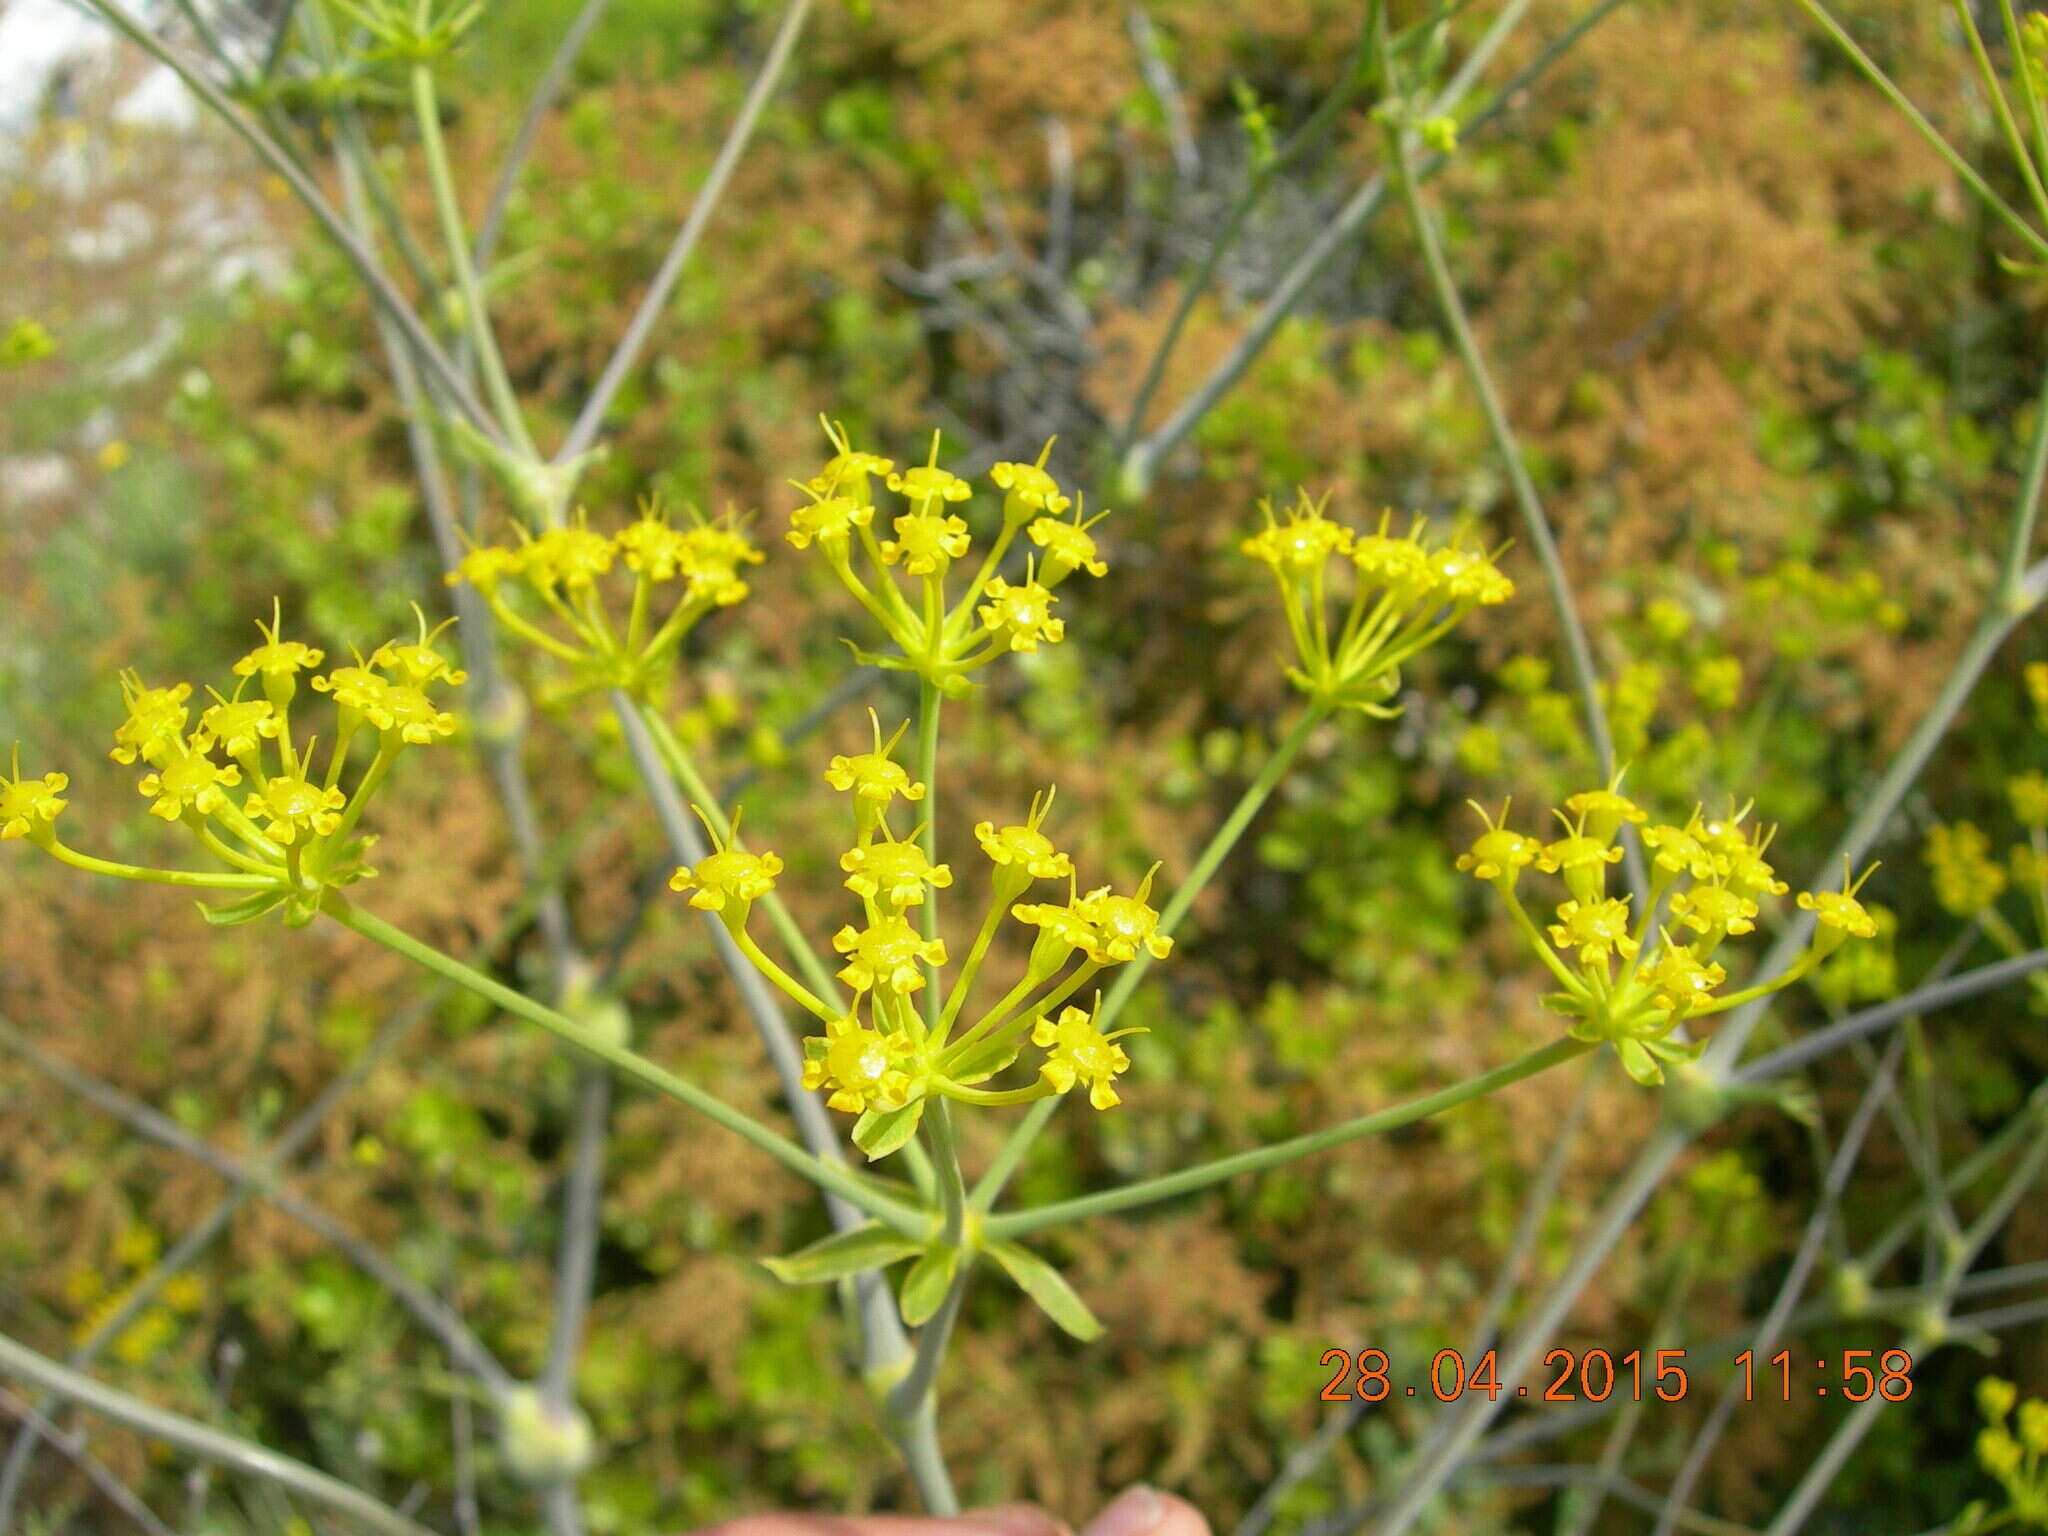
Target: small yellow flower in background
{"type": "Point", "coordinates": [926, 543]}
{"type": "Point", "coordinates": [29, 807]}
{"type": "Point", "coordinates": [1124, 924]}
{"type": "Point", "coordinates": [1499, 854]}
{"type": "Point", "coordinates": [193, 782]}
{"type": "Point", "coordinates": [2029, 869]}
{"type": "Point", "coordinates": [572, 557]}
{"type": "Point", "coordinates": [138, 1246]}
{"type": "Point", "coordinates": [2029, 794]}
{"type": "Point", "coordinates": [485, 566]}
{"type": "Point", "coordinates": [155, 723]}
{"type": "Point", "coordinates": [185, 1292]}
{"type": "Point", "coordinates": [1716, 682]}
{"type": "Point", "coordinates": [893, 873]}
{"type": "Point", "coordinates": [2036, 674]}
{"type": "Point", "coordinates": [874, 777]}
{"type": "Point", "coordinates": [1840, 915]}
{"type": "Point", "coordinates": [1081, 1053]}
{"type": "Point", "coordinates": [291, 808]}
{"type": "Point", "coordinates": [1028, 490]}
{"type": "Point", "coordinates": [1021, 616]}
{"type": "Point", "coordinates": [113, 455]}
{"type": "Point", "coordinates": [1595, 929]}
{"type": "Point", "coordinates": [887, 956]}
{"type": "Point", "coordinates": [864, 1068]}
{"type": "Point", "coordinates": [1069, 547]}
{"type": "Point", "coordinates": [926, 484]}
{"type": "Point", "coordinates": [728, 880]}
{"type": "Point", "coordinates": [1025, 852]}
{"type": "Point", "coordinates": [1966, 878]}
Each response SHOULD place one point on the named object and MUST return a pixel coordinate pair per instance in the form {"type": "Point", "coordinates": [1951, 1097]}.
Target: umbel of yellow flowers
{"type": "Point", "coordinates": [1632, 977]}
{"type": "Point", "coordinates": [614, 608]}
{"type": "Point", "coordinates": [1398, 593]}
{"type": "Point", "coordinates": [897, 565]}
{"type": "Point", "coordinates": [276, 825]}
{"type": "Point", "coordinates": [887, 1050]}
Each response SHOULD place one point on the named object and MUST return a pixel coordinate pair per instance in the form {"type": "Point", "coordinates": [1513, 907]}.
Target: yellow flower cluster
{"type": "Point", "coordinates": [234, 775]}
{"type": "Point", "coordinates": [1404, 593]}
{"type": "Point", "coordinates": [552, 590]}
{"type": "Point", "coordinates": [901, 1040]}
{"type": "Point", "coordinates": [907, 558]}
{"type": "Point", "coordinates": [1632, 976]}
{"type": "Point", "coordinates": [2013, 1448]}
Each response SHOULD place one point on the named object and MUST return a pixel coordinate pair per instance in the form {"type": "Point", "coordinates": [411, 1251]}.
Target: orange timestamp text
{"type": "Point", "coordinates": [1595, 1375]}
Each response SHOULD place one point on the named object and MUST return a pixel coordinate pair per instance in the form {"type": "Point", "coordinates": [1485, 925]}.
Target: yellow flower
{"type": "Point", "coordinates": [1062, 929]}
{"type": "Point", "coordinates": [1021, 615]}
{"type": "Point", "coordinates": [1069, 547]}
{"type": "Point", "coordinates": [1840, 915]}
{"type": "Point", "coordinates": [1498, 854]}
{"type": "Point", "coordinates": [418, 660]}
{"type": "Point", "coordinates": [194, 781]}
{"type": "Point", "coordinates": [573, 556]}
{"type": "Point", "coordinates": [185, 1292]}
{"type": "Point", "coordinates": [2029, 793]}
{"type": "Point", "coordinates": [1681, 980]}
{"type": "Point", "coordinates": [1966, 878]}
{"type": "Point", "coordinates": [886, 955]}
{"type": "Point", "coordinates": [927, 483]}
{"type": "Point", "coordinates": [874, 777]}
{"type": "Point", "coordinates": [727, 875]}
{"type": "Point", "coordinates": [1028, 489]}
{"type": "Point", "coordinates": [29, 807]}
{"type": "Point", "coordinates": [652, 546]}
{"type": "Point", "coordinates": [2028, 867]}
{"type": "Point", "coordinates": [242, 725]}
{"type": "Point", "coordinates": [1715, 910]}
{"type": "Point", "coordinates": [1081, 1053]}
{"type": "Point", "coordinates": [1676, 851]}
{"type": "Point", "coordinates": [1025, 849]}
{"type": "Point", "coordinates": [1302, 544]}
{"type": "Point", "coordinates": [485, 566]}
{"type": "Point", "coordinates": [1581, 860]}
{"type": "Point", "coordinates": [1739, 855]}
{"type": "Point", "coordinates": [1717, 682]}
{"type": "Point", "coordinates": [864, 1068]}
{"type": "Point", "coordinates": [893, 873]}
{"type": "Point", "coordinates": [357, 688]}
{"type": "Point", "coordinates": [1466, 576]}
{"type": "Point", "coordinates": [155, 723]}
{"type": "Point", "coordinates": [407, 713]}
{"type": "Point", "coordinates": [926, 542]}
{"type": "Point", "coordinates": [1595, 929]}
{"type": "Point", "coordinates": [1601, 812]}
{"type": "Point", "coordinates": [1397, 562]}
{"type": "Point", "coordinates": [291, 807]}
{"type": "Point", "coordinates": [2037, 689]}
{"type": "Point", "coordinates": [277, 658]}
{"type": "Point", "coordinates": [830, 520]}
{"type": "Point", "coordinates": [1124, 924]}
{"type": "Point", "coordinates": [849, 467]}
{"type": "Point", "coordinates": [710, 558]}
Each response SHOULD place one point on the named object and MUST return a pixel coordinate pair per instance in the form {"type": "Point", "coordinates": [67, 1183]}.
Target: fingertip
{"type": "Point", "coordinates": [1017, 1520]}
{"type": "Point", "coordinates": [1143, 1511]}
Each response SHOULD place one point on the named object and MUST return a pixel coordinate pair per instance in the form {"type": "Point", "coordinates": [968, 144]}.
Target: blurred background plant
{"type": "Point", "coordinates": [1774, 374]}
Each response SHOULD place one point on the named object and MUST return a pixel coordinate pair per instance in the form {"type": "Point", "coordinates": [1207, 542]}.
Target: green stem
{"type": "Point", "coordinates": [946, 1159]}
{"type": "Point", "coordinates": [2026, 510]}
{"type": "Point", "coordinates": [928, 702]}
{"type": "Point", "coordinates": [991, 1184]}
{"type": "Point", "coordinates": [2002, 109]}
{"type": "Point", "coordinates": [1015, 1224]}
{"type": "Point", "coordinates": [839, 1180]}
{"type": "Point", "coordinates": [201, 879]}
{"type": "Point", "coordinates": [499, 387]}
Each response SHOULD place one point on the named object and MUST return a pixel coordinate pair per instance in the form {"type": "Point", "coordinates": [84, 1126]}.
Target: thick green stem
{"type": "Point", "coordinates": [1013, 1224]}
{"type": "Point", "coordinates": [839, 1180]}
{"type": "Point", "coordinates": [927, 771]}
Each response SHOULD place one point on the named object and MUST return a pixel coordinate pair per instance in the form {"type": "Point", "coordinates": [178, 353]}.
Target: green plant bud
{"type": "Point", "coordinates": [541, 1445]}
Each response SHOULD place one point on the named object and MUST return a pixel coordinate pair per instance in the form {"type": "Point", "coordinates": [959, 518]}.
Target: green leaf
{"type": "Point", "coordinates": [983, 1060]}
{"type": "Point", "coordinates": [1048, 1287]}
{"type": "Point", "coordinates": [878, 1132]}
{"type": "Point", "coordinates": [842, 1254]}
{"type": "Point", "coordinates": [247, 910]}
{"type": "Point", "coordinates": [927, 1283]}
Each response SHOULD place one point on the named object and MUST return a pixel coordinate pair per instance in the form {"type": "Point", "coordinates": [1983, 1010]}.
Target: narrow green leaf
{"type": "Point", "coordinates": [842, 1254]}
{"type": "Point", "coordinates": [983, 1060]}
{"type": "Point", "coordinates": [1048, 1287]}
{"type": "Point", "coordinates": [879, 1132]}
{"type": "Point", "coordinates": [247, 910]}
{"type": "Point", "coordinates": [926, 1284]}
